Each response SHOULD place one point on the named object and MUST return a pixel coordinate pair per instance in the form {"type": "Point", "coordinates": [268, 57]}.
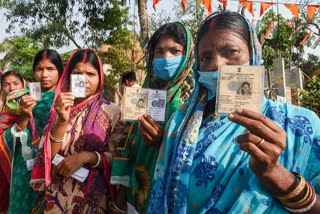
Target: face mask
{"type": "Point", "coordinates": [209, 80]}
{"type": "Point", "coordinates": [167, 68]}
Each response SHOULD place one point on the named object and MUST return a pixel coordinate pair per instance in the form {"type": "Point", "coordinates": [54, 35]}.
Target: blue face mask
{"type": "Point", "coordinates": [167, 68]}
{"type": "Point", "coordinates": [209, 80]}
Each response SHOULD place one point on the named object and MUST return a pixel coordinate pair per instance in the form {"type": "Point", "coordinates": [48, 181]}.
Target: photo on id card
{"type": "Point", "coordinates": [239, 87]}
{"type": "Point", "coordinates": [35, 90]}
{"type": "Point", "coordinates": [78, 85]}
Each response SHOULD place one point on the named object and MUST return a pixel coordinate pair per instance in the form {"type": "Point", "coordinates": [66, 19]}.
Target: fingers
{"type": "Point", "coordinates": [145, 135]}
{"type": "Point", "coordinates": [149, 125]}
{"type": "Point", "coordinates": [273, 151]}
{"type": "Point", "coordinates": [259, 125]}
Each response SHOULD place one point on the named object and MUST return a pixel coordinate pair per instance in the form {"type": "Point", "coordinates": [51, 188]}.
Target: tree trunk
{"type": "Point", "coordinates": [143, 18]}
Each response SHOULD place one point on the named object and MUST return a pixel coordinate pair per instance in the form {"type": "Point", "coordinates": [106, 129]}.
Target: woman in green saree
{"type": "Point", "coordinates": [169, 67]}
{"type": "Point", "coordinates": [20, 140]}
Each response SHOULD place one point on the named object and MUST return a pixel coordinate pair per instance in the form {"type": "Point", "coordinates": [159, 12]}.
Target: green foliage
{"type": "Point", "coordinates": [59, 23]}
{"type": "Point", "coordinates": [311, 64]}
{"type": "Point", "coordinates": [19, 54]}
{"type": "Point", "coordinates": [310, 96]}
{"type": "Point", "coordinates": [280, 46]}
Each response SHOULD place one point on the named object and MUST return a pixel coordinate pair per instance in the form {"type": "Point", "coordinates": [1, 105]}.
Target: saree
{"type": "Point", "coordinates": [200, 168]}
{"type": "Point", "coordinates": [17, 174]}
{"type": "Point", "coordinates": [135, 161]}
{"type": "Point", "coordinates": [91, 125]}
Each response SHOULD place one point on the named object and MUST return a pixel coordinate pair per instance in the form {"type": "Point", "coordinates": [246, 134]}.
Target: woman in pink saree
{"type": "Point", "coordinates": [79, 129]}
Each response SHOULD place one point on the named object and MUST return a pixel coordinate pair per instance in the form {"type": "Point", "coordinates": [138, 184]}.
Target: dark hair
{"type": "Point", "coordinates": [129, 75]}
{"type": "Point", "coordinates": [245, 83]}
{"type": "Point", "coordinates": [14, 73]}
{"type": "Point", "coordinates": [230, 21]}
{"type": "Point", "coordinates": [172, 30]}
{"type": "Point", "coordinates": [87, 56]}
{"type": "Point", "coordinates": [51, 55]}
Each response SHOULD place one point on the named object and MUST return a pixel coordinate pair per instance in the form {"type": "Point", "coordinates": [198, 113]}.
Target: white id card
{"type": "Point", "coordinates": [80, 175]}
{"type": "Point", "coordinates": [78, 85]}
{"type": "Point", "coordinates": [35, 90]}
{"type": "Point", "coordinates": [30, 164]}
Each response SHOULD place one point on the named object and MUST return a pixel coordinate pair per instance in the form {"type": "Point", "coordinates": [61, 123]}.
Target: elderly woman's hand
{"type": "Point", "coordinates": [264, 143]}
{"type": "Point", "coordinates": [151, 131]}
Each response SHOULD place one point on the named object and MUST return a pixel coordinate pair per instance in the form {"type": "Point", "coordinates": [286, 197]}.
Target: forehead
{"type": "Point", "coordinates": [45, 63]}
{"type": "Point", "coordinates": [220, 37]}
{"type": "Point", "coordinates": [85, 66]}
{"type": "Point", "coordinates": [11, 78]}
{"type": "Point", "coordinates": [166, 42]}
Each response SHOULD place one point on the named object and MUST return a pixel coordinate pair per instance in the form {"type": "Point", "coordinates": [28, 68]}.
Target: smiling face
{"type": "Point", "coordinates": [47, 74]}
{"type": "Point", "coordinates": [91, 75]}
{"type": "Point", "coordinates": [222, 47]}
{"type": "Point", "coordinates": [167, 48]}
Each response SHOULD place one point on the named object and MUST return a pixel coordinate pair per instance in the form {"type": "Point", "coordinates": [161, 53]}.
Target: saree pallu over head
{"type": "Point", "coordinates": [89, 127]}
{"type": "Point", "coordinates": [200, 168]}
{"type": "Point", "coordinates": [134, 162]}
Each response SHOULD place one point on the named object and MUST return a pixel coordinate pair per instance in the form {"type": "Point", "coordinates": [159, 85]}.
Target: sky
{"type": "Point", "coordinates": [166, 6]}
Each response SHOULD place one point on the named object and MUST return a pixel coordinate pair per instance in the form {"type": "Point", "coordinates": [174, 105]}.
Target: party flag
{"type": "Point", "coordinates": [294, 8]}
{"type": "Point", "coordinates": [248, 5]}
{"type": "Point", "coordinates": [272, 29]}
{"type": "Point", "coordinates": [316, 43]}
{"type": "Point", "coordinates": [154, 4]}
{"type": "Point", "coordinates": [264, 7]}
{"type": "Point", "coordinates": [312, 9]}
{"type": "Point", "coordinates": [306, 38]}
{"type": "Point", "coordinates": [224, 2]}
{"type": "Point", "coordinates": [183, 5]}
{"type": "Point", "coordinates": [295, 32]}
{"type": "Point", "coordinates": [207, 4]}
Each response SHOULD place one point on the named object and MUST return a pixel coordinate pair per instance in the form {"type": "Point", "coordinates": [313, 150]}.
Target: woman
{"type": "Point", "coordinates": [20, 139]}
{"type": "Point", "coordinates": [10, 81]}
{"type": "Point", "coordinates": [239, 164]}
{"type": "Point", "coordinates": [169, 67]}
{"type": "Point", "coordinates": [79, 130]}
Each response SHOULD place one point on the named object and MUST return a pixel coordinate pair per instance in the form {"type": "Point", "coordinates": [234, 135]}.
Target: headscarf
{"type": "Point", "coordinates": [42, 167]}
{"type": "Point", "coordinates": [134, 162]}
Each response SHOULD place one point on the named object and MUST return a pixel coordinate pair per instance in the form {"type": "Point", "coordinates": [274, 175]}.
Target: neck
{"type": "Point", "coordinates": [53, 88]}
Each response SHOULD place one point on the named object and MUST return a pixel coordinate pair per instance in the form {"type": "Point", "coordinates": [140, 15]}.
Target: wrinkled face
{"type": "Point", "coordinates": [91, 74]}
{"type": "Point", "coordinates": [47, 74]}
{"type": "Point", "coordinates": [222, 47]}
{"type": "Point", "coordinates": [167, 48]}
{"type": "Point", "coordinates": [10, 84]}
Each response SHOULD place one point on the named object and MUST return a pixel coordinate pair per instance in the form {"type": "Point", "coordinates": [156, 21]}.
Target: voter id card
{"type": "Point", "coordinates": [78, 85]}
{"type": "Point", "coordinates": [35, 90]}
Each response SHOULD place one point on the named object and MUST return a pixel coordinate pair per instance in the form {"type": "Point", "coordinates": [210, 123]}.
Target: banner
{"type": "Point", "coordinates": [312, 9]}
{"type": "Point", "coordinates": [264, 7]}
{"type": "Point", "coordinates": [295, 32]}
{"type": "Point", "coordinates": [248, 5]}
{"type": "Point", "coordinates": [294, 8]}
{"type": "Point", "coordinates": [316, 43]}
{"type": "Point", "coordinates": [207, 4]}
{"type": "Point", "coordinates": [154, 4]}
{"type": "Point", "coordinates": [224, 2]}
{"type": "Point", "coordinates": [306, 38]}
{"type": "Point", "coordinates": [271, 32]}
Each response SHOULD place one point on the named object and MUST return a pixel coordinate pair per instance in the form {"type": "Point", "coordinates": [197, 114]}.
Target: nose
{"type": "Point", "coordinates": [12, 87]}
{"type": "Point", "coordinates": [45, 73]}
{"type": "Point", "coordinates": [167, 54]}
{"type": "Point", "coordinates": [216, 62]}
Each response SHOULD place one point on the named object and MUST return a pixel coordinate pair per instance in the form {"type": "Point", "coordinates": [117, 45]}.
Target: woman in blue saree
{"type": "Point", "coordinates": [246, 162]}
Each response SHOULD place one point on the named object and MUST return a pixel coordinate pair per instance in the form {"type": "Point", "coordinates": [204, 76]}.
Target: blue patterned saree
{"type": "Point", "coordinates": [200, 168]}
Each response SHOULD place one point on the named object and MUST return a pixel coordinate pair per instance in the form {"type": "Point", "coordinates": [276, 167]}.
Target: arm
{"type": "Point", "coordinates": [265, 143]}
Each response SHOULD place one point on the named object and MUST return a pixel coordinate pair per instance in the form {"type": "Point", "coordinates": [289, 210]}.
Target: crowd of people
{"type": "Point", "coordinates": [194, 162]}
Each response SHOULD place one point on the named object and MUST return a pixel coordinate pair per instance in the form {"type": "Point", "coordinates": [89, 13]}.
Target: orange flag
{"type": "Point", "coordinates": [183, 5]}
{"type": "Point", "coordinates": [248, 5]}
{"type": "Point", "coordinates": [264, 7]}
{"type": "Point", "coordinates": [294, 8]}
{"type": "Point", "coordinates": [312, 9]}
{"type": "Point", "coordinates": [224, 2]}
{"type": "Point", "coordinates": [306, 38]}
{"type": "Point", "coordinates": [207, 4]}
{"type": "Point", "coordinates": [154, 4]}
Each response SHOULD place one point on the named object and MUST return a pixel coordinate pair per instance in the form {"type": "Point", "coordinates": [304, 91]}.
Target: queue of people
{"type": "Point", "coordinates": [194, 162]}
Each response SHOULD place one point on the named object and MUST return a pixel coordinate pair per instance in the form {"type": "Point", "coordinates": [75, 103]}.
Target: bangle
{"type": "Point", "coordinates": [99, 158]}
{"type": "Point", "coordinates": [117, 208]}
{"type": "Point", "coordinates": [56, 139]}
{"type": "Point", "coordinates": [296, 191]}
{"type": "Point", "coordinates": [301, 202]}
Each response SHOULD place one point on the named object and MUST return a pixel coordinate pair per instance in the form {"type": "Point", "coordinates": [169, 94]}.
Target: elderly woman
{"type": "Point", "coordinates": [79, 130]}
{"type": "Point", "coordinates": [169, 68]}
{"type": "Point", "coordinates": [246, 162]}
